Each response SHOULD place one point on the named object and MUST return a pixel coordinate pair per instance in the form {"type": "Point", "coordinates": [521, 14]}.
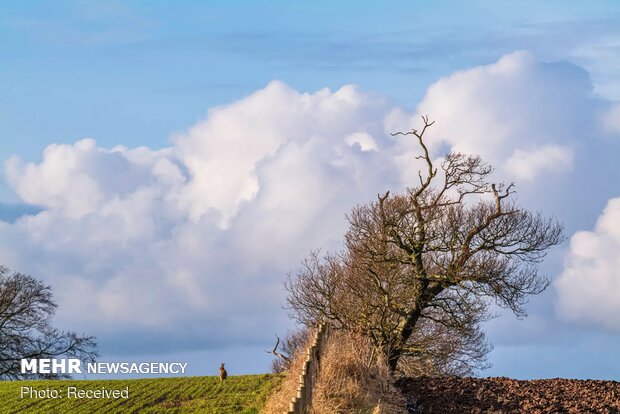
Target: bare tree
{"type": "Point", "coordinates": [420, 269]}
{"type": "Point", "coordinates": [26, 312]}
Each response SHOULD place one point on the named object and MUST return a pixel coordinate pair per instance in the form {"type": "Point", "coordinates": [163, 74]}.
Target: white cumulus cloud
{"type": "Point", "coordinates": [200, 234]}
{"type": "Point", "coordinates": [192, 242]}
{"type": "Point", "coordinates": [364, 140]}
{"type": "Point", "coordinates": [611, 119]}
{"type": "Point", "coordinates": [522, 115]}
{"type": "Point", "coordinates": [527, 165]}
{"type": "Point", "coordinates": [589, 287]}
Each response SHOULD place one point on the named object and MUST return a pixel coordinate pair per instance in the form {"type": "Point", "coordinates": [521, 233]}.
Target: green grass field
{"type": "Point", "coordinates": [239, 394]}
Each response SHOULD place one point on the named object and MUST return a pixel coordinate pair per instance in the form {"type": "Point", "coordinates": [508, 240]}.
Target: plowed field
{"type": "Point", "coordinates": [504, 395]}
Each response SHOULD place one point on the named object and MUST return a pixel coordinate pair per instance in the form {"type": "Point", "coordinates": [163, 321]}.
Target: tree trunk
{"type": "Point", "coordinates": [392, 359]}
{"type": "Point", "coordinates": [406, 329]}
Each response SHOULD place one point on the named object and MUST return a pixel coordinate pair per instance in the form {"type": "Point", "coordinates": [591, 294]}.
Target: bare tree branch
{"type": "Point", "coordinates": [275, 352]}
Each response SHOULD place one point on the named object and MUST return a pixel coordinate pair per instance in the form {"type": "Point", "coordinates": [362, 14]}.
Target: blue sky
{"type": "Point", "coordinates": [134, 72]}
{"type": "Point", "coordinates": [152, 74]}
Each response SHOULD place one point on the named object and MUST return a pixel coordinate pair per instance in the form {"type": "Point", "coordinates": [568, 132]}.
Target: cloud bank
{"type": "Point", "coordinates": [200, 235]}
{"type": "Point", "coordinates": [192, 242]}
{"type": "Point", "coordinates": [589, 286]}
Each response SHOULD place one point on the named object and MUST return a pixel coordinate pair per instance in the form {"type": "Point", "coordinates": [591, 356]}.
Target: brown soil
{"type": "Point", "coordinates": [503, 395]}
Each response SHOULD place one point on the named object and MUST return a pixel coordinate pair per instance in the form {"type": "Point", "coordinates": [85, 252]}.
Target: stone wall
{"type": "Point", "coordinates": [303, 397]}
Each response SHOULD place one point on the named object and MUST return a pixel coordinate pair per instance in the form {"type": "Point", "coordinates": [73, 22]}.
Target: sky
{"type": "Point", "coordinates": [167, 164]}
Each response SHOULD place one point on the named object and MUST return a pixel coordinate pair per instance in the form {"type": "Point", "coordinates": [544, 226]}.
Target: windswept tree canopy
{"type": "Point", "coordinates": [419, 269]}
{"type": "Point", "coordinates": [26, 313]}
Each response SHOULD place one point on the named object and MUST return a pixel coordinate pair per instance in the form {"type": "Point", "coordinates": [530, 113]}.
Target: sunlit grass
{"type": "Point", "coordinates": [238, 394]}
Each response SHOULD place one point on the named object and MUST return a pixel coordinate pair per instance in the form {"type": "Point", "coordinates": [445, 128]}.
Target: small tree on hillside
{"type": "Point", "coordinates": [420, 269]}
{"type": "Point", "coordinates": [26, 312]}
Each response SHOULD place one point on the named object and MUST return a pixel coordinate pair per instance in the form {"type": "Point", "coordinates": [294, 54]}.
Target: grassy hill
{"type": "Point", "coordinates": [239, 394]}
